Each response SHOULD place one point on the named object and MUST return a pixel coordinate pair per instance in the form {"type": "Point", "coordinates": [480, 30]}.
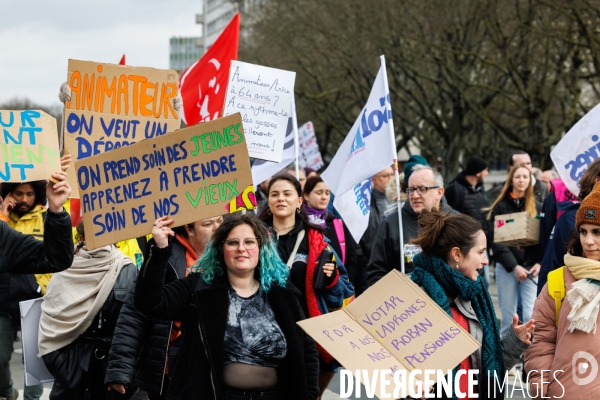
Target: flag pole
{"type": "Point", "coordinates": [395, 163]}
{"type": "Point", "coordinates": [297, 142]}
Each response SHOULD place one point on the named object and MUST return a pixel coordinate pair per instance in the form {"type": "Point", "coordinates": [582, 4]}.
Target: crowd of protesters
{"type": "Point", "coordinates": [212, 311]}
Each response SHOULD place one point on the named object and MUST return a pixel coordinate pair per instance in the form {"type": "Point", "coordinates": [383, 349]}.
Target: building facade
{"type": "Point", "coordinates": [184, 51]}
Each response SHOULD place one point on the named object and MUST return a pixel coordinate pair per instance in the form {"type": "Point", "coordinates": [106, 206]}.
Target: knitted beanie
{"type": "Point", "coordinates": [589, 211]}
{"type": "Point", "coordinates": [475, 165]}
{"type": "Point", "coordinates": [412, 161]}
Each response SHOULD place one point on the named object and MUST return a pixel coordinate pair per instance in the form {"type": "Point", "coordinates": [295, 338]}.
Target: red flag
{"type": "Point", "coordinates": [75, 211]}
{"type": "Point", "coordinates": [122, 62]}
{"type": "Point", "coordinates": [203, 84]}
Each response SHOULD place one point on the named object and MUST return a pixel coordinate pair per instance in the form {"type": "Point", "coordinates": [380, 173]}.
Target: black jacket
{"type": "Point", "coordinates": [79, 367]}
{"type": "Point", "coordinates": [386, 247]}
{"type": "Point", "coordinates": [138, 352]}
{"type": "Point", "coordinates": [510, 256]}
{"type": "Point", "coordinates": [203, 309]}
{"type": "Point", "coordinates": [24, 255]}
{"type": "Point", "coordinates": [470, 200]}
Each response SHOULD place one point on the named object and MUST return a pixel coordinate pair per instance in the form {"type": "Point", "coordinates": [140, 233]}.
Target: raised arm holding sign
{"type": "Point", "coordinates": [194, 173]}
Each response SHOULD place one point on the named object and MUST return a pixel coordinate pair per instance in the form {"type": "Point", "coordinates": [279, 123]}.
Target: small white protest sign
{"type": "Point", "coordinates": [310, 154]}
{"type": "Point", "coordinates": [264, 97]}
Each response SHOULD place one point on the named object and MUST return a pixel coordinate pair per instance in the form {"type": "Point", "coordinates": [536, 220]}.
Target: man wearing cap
{"type": "Point", "coordinates": [467, 195]}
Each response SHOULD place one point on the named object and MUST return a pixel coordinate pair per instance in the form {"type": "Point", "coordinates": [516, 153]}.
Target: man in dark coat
{"type": "Point", "coordinates": [425, 191]}
{"type": "Point", "coordinates": [466, 194]}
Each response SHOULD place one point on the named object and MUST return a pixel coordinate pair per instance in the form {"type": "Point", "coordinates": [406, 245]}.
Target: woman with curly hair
{"type": "Point", "coordinates": [240, 339]}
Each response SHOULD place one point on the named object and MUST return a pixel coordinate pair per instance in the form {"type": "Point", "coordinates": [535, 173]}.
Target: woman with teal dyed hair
{"type": "Point", "coordinates": [240, 338]}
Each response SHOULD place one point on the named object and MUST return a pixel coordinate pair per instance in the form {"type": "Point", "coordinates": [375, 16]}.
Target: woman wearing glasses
{"type": "Point", "coordinates": [239, 312]}
{"type": "Point", "coordinates": [516, 268]}
{"type": "Point", "coordinates": [301, 244]}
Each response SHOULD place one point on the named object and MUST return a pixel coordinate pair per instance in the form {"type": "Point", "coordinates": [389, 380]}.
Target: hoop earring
{"type": "Point", "coordinates": [269, 211]}
{"type": "Point", "coordinates": [298, 210]}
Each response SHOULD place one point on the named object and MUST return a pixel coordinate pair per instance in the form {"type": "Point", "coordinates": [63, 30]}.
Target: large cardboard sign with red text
{"type": "Point", "coordinates": [392, 326]}
{"type": "Point", "coordinates": [116, 105]}
{"type": "Point", "coordinates": [191, 174]}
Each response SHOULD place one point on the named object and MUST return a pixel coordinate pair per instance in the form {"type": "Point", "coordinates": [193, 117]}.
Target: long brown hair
{"type": "Point", "coordinates": [441, 232]}
{"type": "Point", "coordinates": [266, 214]}
{"type": "Point", "coordinates": [507, 188]}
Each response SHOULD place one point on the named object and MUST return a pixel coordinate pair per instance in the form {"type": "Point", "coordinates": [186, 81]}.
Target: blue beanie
{"type": "Point", "coordinates": [412, 161]}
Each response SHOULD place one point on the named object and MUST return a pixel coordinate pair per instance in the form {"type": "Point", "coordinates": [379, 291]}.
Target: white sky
{"type": "Point", "coordinates": [37, 37]}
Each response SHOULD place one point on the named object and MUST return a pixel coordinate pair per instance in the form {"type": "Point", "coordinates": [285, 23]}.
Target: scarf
{"type": "Point", "coordinates": [316, 216]}
{"type": "Point", "coordinates": [191, 256]}
{"type": "Point", "coordinates": [584, 295]}
{"type": "Point", "coordinates": [76, 295]}
{"type": "Point", "coordinates": [439, 281]}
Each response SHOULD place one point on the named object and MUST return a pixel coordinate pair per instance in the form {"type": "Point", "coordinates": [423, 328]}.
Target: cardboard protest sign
{"type": "Point", "coordinates": [116, 105]}
{"type": "Point", "coordinates": [311, 156]}
{"type": "Point", "coordinates": [577, 150]}
{"type": "Point", "coordinates": [392, 326]}
{"type": "Point", "coordinates": [264, 97]}
{"type": "Point", "coordinates": [191, 174]}
{"type": "Point", "coordinates": [29, 146]}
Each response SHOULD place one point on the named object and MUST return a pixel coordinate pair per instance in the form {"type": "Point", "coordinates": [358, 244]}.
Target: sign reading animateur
{"type": "Point", "coordinates": [191, 174]}
{"type": "Point", "coordinates": [29, 148]}
{"type": "Point", "coordinates": [116, 105]}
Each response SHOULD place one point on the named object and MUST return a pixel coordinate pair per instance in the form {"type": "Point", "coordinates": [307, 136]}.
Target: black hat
{"type": "Point", "coordinates": [475, 165]}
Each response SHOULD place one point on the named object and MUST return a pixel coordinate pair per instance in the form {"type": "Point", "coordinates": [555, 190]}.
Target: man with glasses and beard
{"type": "Point", "coordinates": [425, 191]}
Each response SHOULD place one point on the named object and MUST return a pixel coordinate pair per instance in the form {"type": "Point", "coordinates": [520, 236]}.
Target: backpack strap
{"type": "Point", "coordinates": [296, 246]}
{"type": "Point", "coordinates": [556, 289]}
{"type": "Point", "coordinates": [339, 232]}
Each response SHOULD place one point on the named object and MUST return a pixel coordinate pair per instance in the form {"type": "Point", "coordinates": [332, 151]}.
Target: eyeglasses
{"type": "Point", "coordinates": [234, 244]}
{"type": "Point", "coordinates": [421, 189]}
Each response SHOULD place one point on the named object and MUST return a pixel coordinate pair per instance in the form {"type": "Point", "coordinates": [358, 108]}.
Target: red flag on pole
{"type": "Point", "coordinates": [122, 62]}
{"type": "Point", "coordinates": [203, 84]}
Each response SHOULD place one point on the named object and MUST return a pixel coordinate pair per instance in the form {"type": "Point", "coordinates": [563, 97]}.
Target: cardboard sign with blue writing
{"type": "Point", "coordinates": [116, 105]}
{"type": "Point", "coordinates": [29, 146]}
{"type": "Point", "coordinates": [392, 326]}
{"type": "Point", "coordinates": [191, 174]}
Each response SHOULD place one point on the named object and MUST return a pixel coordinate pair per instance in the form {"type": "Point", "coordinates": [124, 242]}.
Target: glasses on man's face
{"type": "Point", "coordinates": [234, 244]}
{"type": "Point", "coordinates": [420, 189]}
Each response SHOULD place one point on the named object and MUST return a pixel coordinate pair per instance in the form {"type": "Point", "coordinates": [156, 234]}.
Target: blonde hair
{"type": "Point", "coordinates": [507, 188]}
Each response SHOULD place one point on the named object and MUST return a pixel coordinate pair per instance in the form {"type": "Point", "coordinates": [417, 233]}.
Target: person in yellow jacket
{"type": "Point", "coordinates": [23, 209]}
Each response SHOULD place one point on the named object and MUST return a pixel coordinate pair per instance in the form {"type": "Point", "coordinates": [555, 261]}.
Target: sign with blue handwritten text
{"type": "Point", "coordinates": [113, 106]}
{"type": "Point", "coordinates": [28, 147]}
{"type": "Point", "coordinates": [578, 149]}
{"type": "Point", "coordinates": [264, 97]}
{"type": "Point", "coordinates": [191, 174]}
{"type": "Point", "coordinates": [393, 325]}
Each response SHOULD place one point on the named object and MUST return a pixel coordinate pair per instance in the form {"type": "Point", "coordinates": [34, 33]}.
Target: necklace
{"type": "Point", "coordinates": [283, 229]}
